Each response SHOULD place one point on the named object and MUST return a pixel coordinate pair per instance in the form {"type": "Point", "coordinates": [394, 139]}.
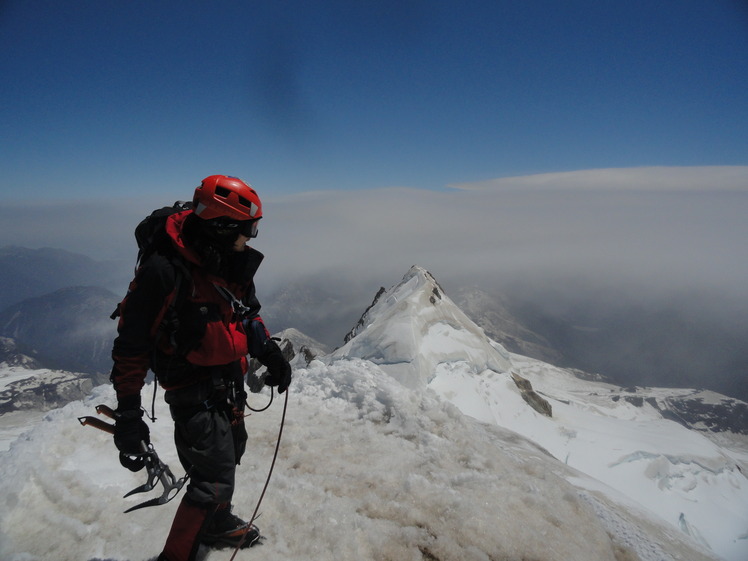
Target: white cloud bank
{"type": "Point", "coordinates": [635, 225]}
{"type": "Point", "coordinates": [656, 227]}
{"type": "Point", "coordinates": [654, 178]}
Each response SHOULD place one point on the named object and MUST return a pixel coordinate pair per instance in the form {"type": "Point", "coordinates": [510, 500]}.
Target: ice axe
{"type": "Point", "coordinates": [158, 471]}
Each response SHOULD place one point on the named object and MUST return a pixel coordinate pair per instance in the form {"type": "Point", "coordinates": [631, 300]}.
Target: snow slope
{"type": "Point", "coordinates": [368, 470]}
{"type": "Point", "coordinates": [680, 474]}
{"type": "Point", "coordinates": [676, 473]}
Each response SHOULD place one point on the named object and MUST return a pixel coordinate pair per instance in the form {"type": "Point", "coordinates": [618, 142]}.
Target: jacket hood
{"type": "Point", "coordinates": [174, 225]}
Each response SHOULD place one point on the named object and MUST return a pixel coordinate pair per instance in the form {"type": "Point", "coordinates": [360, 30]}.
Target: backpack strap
{"type": "Point", "coordinates": [182, 285]}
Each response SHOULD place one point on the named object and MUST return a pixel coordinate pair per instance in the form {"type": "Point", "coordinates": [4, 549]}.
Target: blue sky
{"type": "Point", "coordinates": [127, 98]}
{"type": "Point", "coordinates": [588, 151]}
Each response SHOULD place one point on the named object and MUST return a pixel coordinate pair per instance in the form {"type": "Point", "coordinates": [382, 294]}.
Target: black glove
{"type": "Point", "coordinates": [129, 432]}
{"type": "Point", "coordinates": [279, 371]}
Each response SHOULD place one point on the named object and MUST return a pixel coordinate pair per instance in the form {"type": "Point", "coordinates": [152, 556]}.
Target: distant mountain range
{"type": "Point", "coordinates": [26, 273]}
{"type": "Point", "coordinates": [653, 346]}
{"type": "Point", "coordinates": [68, 329]}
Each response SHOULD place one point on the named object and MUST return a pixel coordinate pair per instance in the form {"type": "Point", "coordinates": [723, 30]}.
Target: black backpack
{"type": "Point", "coordinates": [151, 237]}
{"type": "Point", "coordinates": [150, 234]}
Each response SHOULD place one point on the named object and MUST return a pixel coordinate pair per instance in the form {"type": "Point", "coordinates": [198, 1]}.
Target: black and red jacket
{"type": "Point", "coordinates": [175, 320]}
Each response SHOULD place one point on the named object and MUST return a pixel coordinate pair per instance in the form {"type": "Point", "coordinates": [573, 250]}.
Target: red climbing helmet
{"type": "Point", "coordinates": [226, 196]}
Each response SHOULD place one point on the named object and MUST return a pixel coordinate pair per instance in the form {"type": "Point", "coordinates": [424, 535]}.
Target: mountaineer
{"type": "Point", "coordinates": [192, 317]}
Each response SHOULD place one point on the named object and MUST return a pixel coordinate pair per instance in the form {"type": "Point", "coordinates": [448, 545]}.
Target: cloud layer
{"type": "Point", "coordinates": [650, 179]}
{"type": "Point", "coordinates": [659, 227]}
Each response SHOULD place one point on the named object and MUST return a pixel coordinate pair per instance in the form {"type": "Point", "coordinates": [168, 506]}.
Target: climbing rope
{"type": "Point", "coordinates": [270, 473]}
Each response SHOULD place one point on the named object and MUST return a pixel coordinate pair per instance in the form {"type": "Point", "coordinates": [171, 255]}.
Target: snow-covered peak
{"type": "Point", "coordinates": [414, 327]}
{"type": "Point", "coordinates": [416, 334]}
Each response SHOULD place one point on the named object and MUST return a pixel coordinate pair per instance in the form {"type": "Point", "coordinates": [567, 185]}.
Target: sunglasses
{"type": "Point", "coordinates": [223, 227]}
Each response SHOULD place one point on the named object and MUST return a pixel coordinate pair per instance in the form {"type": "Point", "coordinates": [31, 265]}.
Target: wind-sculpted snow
{"type": "Point", "coordinates": [680, 474]}
{"type": "Point", "coordinates": [368, 470]}
{"type": "Point", "coordinates": [432, 481]}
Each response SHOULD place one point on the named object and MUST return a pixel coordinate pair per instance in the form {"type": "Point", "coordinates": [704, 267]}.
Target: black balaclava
{"type": "Point", "coordinates": [213, 250]}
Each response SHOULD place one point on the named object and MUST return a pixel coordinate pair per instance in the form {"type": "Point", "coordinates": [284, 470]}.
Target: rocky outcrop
{"type": "Point", "coordinates": [362, 320]}
{"type": "Point", "coordinates": [298, 349]}
{"type": "Point", "coordinates": [531, 397]}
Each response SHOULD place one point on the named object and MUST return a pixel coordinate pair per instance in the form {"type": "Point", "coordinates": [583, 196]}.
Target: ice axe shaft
{"type": "Point", "coordinates": [105, 410]}
{"type": "Point", "coordinates": [97, 423]}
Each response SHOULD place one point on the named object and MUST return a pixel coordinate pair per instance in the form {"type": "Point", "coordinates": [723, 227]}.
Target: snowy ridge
{"type": "Point", "coordinates": [414, 328]}
{"type": "Point", "coordinates": [676, 473]}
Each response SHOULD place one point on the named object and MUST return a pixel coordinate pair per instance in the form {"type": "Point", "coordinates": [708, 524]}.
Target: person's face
{"type": "Point", "coordinates": [241, 240]}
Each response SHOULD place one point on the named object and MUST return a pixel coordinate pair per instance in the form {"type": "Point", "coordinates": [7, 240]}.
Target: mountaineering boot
{"type": "Point", "coordinates": [226, 529]}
